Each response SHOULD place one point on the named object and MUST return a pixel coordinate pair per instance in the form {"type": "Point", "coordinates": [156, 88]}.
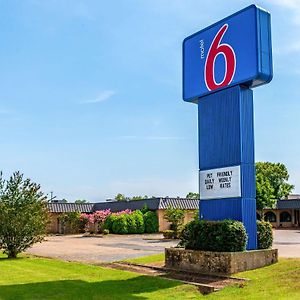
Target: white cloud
{"type": "Point", "coordinates": [294, 47]}
{"type": "Point", "coordinates": [288, 49]}
{"type": "Point", "coordinates": [287, 16]}
{"type": "Point", "coordinates": [103, 96]}
{"type": "Point", "coordinates": [292, 5]}
{"type": "Point", "coordinates": [4, 112]}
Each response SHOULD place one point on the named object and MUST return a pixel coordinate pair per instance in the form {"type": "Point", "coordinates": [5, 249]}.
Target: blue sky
{"type": "Point", "coordinates": [90, 97]}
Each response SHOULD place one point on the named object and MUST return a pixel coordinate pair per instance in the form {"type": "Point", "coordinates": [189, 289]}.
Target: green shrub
{"type": "Point", "coordinates": [219, 236]}
{"type": "Point", "coordinates": [151, 222]}
{"type": "Point", "coordinates": [131, 224]}
{"type": "Point", "coordinates": [175, 216]}
{"type": "Point", "coordinates": [70, 221]}
{"type": "Point", "coordinates": [108, 223]}
{"type": "Point", "coordinates": [196, 214]}
{"type": "Point", "coordinates": [144, 209]}
{"type": "Point", "coordinates": [139, 221]}
{"type": "Point", "coordinates": [119, 225]}
{"type": "Point", "coordinates": [125, 223]}
{"type": "Point", "coordinates": [24, 214]}
{"type": "Point", "coordinates": [168, 234]}
{"type": "Point", "coordinates": [83, 225]}
{"type": "Point", "coordinates": [105, 231]}
{"type": "Point", "coordinates": [264, 235]}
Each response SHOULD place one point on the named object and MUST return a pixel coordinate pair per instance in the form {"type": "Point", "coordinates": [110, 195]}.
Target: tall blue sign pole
{"type": "Point", "coordinates": [221, 64]}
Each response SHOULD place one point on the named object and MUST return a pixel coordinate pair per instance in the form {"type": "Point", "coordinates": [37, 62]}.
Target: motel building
{"type": "Point", "coordinates": [158, 205]}
{"type": "Point", "coordinates": [286, 214]}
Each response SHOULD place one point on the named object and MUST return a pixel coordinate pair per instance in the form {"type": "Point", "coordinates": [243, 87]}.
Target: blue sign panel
{"type": "Point", "coordinates": [226, 158]}
{"type": "Point", "coordinates": [235, 50]}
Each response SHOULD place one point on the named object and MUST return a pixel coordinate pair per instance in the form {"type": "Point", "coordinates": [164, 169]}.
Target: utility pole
{"type": "Point", "coordinates": [51, 196]}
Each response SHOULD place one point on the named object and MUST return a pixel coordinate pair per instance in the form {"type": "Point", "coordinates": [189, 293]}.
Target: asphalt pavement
{"type": "Point", "coordinates": [119, 247]}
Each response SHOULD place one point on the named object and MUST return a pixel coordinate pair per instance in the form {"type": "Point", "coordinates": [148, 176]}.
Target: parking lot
{"type": "Point", "coordinates": [119, 247]}
{"type": "Point", "coordinates": [101, 249]}
{"type": "Point", "coordinates": [287, 242]}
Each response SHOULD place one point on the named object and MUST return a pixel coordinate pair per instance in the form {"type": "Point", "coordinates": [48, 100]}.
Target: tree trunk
{"type": "Point", "coordinates": [261, 214]}
{"type": "Point", "coordinates": [12, 254]}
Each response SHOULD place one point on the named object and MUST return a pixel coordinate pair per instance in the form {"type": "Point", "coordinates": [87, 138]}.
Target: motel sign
{"type": "Point", "coordinates": [221, 65]}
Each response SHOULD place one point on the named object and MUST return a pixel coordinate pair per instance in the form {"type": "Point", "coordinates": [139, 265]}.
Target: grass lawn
{"type": "Point", "coordinates": [36, 278]}
{"type": "Point", "coordinates": [147, 259]}
{"type": "Point", "coordinates": [40, 279]}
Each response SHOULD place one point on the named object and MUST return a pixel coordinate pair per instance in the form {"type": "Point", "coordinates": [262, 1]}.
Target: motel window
{"type": "Point", "coordinates": [285, 217]}
{"type": "Point", "coordinates": [270, 217]}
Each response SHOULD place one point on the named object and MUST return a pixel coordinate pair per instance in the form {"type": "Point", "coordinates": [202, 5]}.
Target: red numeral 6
{"type": "Point", "coordinates": [230, 62]}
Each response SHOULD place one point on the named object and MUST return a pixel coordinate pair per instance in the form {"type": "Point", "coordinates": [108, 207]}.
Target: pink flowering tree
{"type": "Point", "coordinates": [124, 212]}
{"type": "Point", "coordinates": [98, 218]}
{"type": "Point", "coordinates": [84, 221]}
{"type": "Point", "coordinates": [94, 222]}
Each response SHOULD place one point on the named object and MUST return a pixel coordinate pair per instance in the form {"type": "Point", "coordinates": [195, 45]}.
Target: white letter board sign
{"type": "Point", "coordinates": [220, 183]}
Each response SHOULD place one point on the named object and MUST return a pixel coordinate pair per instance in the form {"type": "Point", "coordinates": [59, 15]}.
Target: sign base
{"type": "Point", "coordinates": [226, 140]}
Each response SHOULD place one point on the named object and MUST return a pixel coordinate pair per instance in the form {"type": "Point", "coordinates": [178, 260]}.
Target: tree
{"type": "Point", "coordinates": [120, 197]}
{"type": "Point", "coordinates": [277, 174]}
{"type": "Point", "coordinates": [145, 209]}
{"type": "Point", "coordinates": [192, 195]}
{"type": "Point", "coordinates": [79, 201]}
{"type": "Point", "coordinates": [139, 197]}
{"type": "Point", "coordinates": [99, 217]}
{"type": "Point", "coordinates": [271, 184]}
{"type": "Point", "coordinates": [176, 217]}
{"type": "Point", "coordinates": [264, 194]}
{"type": "Point", "coordinates": [71, 219]}
{"type": "Point", "coordinates": [23, 214]}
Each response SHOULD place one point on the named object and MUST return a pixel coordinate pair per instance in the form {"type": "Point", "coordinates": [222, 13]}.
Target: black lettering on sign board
{"type": "Point", "coordinates": [209, 186]}
{"type": "Point", "coordinates": [226, 185]}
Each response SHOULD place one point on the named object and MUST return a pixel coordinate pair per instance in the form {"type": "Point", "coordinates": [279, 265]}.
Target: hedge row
{"type": "Point", "coordinates": [223, 236]}
{"type": "Point", "coordinates": [151, 222]}
{"type": "Point", "coordinates": [264, 235]}
{"type": "Point", "coordinates": [220, 236]}
{"type": "Point", "coordinates": [134, 222]}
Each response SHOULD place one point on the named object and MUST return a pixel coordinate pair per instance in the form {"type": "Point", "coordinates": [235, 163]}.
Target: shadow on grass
{"type": "Point", "coordinates": [5, 258]}
{"type": "Point", "coordinates": [78, 289]}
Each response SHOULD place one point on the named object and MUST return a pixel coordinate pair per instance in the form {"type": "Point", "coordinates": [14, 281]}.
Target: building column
{"type": "Point", "coordinates": [293, 217]}
{"type": "Point", "coordinates": [277, 218]}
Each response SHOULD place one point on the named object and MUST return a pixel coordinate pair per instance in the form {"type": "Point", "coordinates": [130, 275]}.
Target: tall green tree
{"type": "Point", "coordinates": [120, 197]}
{"type": "Point", "coordinates": [139, 197]}
{"type": "Point", "coordinates": [264, 194]}
{"type": "Point", "coordinates": [81, 201]}
{"type": "Point", "coordinates": [192, 195]}
{"type": "Point", "coordinates": [23, 214]}
{"type": "Point", "coordinates": [271, 184]}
